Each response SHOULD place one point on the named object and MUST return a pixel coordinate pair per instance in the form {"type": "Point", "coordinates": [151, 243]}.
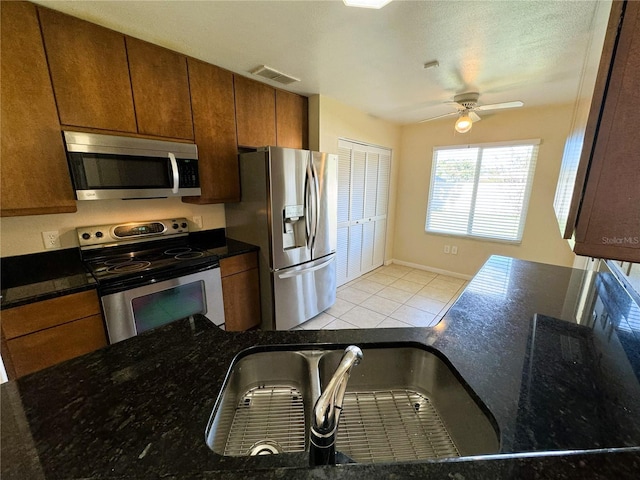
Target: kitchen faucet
{"type": "Point", "coordinates": [326, 413]}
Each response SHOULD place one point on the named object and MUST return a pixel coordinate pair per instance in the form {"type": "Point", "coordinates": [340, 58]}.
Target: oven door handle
{"type": "Point", "coordinates": [174, 171]}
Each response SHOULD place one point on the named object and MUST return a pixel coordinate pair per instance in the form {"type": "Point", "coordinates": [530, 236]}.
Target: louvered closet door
{"type": "Point", "coordinates": [344, 205]}
{"type": "Point", "coordinates": [382, 202]}
{"type": "Point", "coordinates": [368, 223]}
{"type": "Point", "coordinates": [363, 187]}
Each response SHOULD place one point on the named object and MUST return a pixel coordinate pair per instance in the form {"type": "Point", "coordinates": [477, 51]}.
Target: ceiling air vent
{"type": "Point", "coordinates": [276, 76]}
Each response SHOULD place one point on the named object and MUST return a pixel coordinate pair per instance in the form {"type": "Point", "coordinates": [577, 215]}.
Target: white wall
{"type": "Point", "coordinates": [22, 235]}
{"type": "Point", "coordinates": [541, 240]}
{"type": "Point", "coordinates": [330, 120]}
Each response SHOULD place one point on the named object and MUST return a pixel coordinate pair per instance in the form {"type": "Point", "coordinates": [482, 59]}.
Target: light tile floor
{"type": "Point", "coordinates": [388, 297]}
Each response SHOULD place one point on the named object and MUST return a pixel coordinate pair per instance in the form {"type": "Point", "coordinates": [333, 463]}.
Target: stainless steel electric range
{"type": "Point", "coordinates": [149, 274]}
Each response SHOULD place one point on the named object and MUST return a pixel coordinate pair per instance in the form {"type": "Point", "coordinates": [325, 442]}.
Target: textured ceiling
{"type": "Point", "coordinates": [533, 51]}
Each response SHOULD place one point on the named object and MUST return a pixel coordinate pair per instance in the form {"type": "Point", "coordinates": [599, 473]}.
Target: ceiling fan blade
{"type": "Point", "coordinates": [474, 117]}
{"type": "Point", "coordinates": [439, 116]}
{"type": "Point", "coordinates": [498, 106]}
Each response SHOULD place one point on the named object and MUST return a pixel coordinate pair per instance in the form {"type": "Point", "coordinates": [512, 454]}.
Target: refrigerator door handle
{"type": "Point", "coordinates": [309, 208]}
{"type": "Point", "coordinates": [303, 271]}
{"type": "Point", "coordinates": [316, 204]}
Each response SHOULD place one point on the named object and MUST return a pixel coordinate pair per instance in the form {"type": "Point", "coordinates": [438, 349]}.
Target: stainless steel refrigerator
{"type": "Point", "coordinates": [289, 209]}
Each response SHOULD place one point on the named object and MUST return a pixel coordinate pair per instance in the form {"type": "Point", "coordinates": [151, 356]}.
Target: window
{"type": "Point", "coordinates": [481, 191]}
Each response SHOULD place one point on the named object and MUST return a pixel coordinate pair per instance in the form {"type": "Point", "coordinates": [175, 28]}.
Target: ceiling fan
{"type": "Point", "coordinates": [467, 106]}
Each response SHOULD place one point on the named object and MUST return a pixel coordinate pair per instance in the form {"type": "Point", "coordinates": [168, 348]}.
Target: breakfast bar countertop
{"type": "Point", "coordinates": [553, 353]}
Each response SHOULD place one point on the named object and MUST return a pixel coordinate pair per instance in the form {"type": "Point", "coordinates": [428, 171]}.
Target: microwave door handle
{"type": "Point", "coordinates": [174, 171]}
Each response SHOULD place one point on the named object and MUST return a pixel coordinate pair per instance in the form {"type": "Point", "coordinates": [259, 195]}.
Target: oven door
{"type": "Point", "coordinates": [133, 311]}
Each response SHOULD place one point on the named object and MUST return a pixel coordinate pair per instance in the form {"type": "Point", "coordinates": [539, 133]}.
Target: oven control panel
{"type": "Point", "coordinates": [100, 235]}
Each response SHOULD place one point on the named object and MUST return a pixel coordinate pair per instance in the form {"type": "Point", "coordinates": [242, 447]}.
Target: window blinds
{"type": "Point", "coordinates": [481, 191]}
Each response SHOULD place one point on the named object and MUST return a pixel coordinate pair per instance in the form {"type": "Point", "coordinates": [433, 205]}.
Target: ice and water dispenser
{"type": "Point", "coordinates": [294, 234]}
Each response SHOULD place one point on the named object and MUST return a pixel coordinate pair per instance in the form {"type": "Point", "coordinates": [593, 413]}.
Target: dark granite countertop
{"type": "Point", "coordinates": [561, 383]}
{"type": "Point", "coordinates": [40, 276]}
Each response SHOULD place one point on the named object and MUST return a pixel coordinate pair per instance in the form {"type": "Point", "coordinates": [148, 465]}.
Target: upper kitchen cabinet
{"type": "Point", "coordinates": [35, 177]}
{"type": "Point", "coordinates": [606, 197]}
{"type": "Point", "coordinates": [214, 123]}
{"type": "Point", "coordinates": [255, 113]}
{"type": "Point", "coordinates": [90, 73]}
{"type": "Point", "coordinates": [292, 120]}
{"type": "Point", "coordinates": [160, 90]}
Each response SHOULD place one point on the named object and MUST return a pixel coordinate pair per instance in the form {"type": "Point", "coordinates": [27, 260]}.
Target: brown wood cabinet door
{"type": "Point", "coordinates": [34, 173]}
{"type": "Point", "coordinates": [48, 347]}
{"type": "Point", "coordinates": [241, 293]}
{"type": "Point", "coordinates": [214, 126]}
{"type": "Point", "coordinates": [609, 220]}
{"type": "Point", "coordinates": [238, 263]}
{"type": "Point", "coordinates": [90, 73]}
{"type": "Point", "coordinates": [36, 316]}
{"type": "Point", "coordinates": [292, 120]}
{"type": "Point", "coordinates": [160, 90]}
{"type": "Point", "coordinates": [255, 113]}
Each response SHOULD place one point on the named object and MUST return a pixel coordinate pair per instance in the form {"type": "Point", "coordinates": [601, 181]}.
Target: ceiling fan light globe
{"type": "Point", "coordinates": [463, 124]}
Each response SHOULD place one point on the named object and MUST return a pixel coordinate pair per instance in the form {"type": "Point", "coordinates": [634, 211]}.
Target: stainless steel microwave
{"type": "Point", "coordinates": [109, 167]}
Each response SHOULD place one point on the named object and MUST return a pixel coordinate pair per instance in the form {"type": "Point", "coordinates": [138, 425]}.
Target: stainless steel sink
{"type": "Point", "coordinates": [264, 407]}
{"type": "Point", "coordinates": [402, 403]}
{"type": "Point", "coordinates": [407, 404]}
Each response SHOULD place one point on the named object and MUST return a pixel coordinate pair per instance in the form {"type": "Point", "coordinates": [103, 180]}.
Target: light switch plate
{"type": "Point", "coordinates": [198, 220]}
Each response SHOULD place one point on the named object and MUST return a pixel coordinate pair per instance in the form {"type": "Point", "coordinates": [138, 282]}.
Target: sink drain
{"type": "Point", "coordinates": [265, 447]}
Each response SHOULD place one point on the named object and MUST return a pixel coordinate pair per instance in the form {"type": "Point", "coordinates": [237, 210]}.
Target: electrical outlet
{"type": "Point", "coordinates": [447, 249]}
{"type": "Point", "coordinates": [454, 250]}
{"type": "Point", "coordinates": [198, 220]}
{"type": "Point", "coordinates": [51, 239]}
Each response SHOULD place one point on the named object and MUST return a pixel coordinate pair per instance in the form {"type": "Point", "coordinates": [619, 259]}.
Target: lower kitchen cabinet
{"type": "Point", "coordinates": [241, 291]}
{"type": "Point", "coordinates": [41, 334]}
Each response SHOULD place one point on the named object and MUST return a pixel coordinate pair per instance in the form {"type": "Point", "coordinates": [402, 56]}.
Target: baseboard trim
{"type": "Point", "coordinates": [429, 269]}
